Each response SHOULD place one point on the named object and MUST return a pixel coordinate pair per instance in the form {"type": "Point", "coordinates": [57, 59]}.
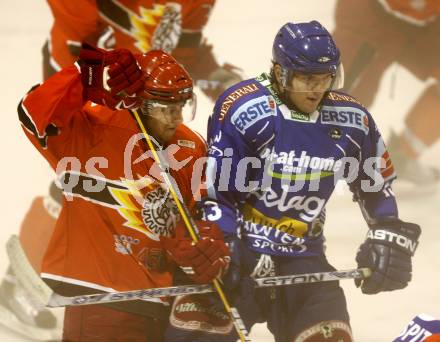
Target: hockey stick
{"type": "Point", "coordinates": [58, 300]}
{"type": "Point", "coordinates": [33, 283]}
{"type": "Point", "coordinates": [193, 232]}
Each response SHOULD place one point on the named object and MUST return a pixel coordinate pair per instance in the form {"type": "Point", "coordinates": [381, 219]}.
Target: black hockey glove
{"type": "Point", "coordinates": [245, 264]}
{"type": "Point", "coordinates": [387, 251]}
{"type": "Point", "coordinates": [233, 276]}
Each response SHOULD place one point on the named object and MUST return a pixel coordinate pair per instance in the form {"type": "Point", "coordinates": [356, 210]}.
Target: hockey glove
{"type": "Point", "coordinates": [245, 264]}
{"type": "Point", "coordinates": [211, 77]}
{"type": "Point", "coordinates": [387, 251]}
{"type": "Point", "coordinates": [233, 276]}
{"type": "Point", "coordinates": [202, 261]}
{"type": "Point", "coordinates": [219, 80]}
{"type": "Point", "coordinates": [110, 78]}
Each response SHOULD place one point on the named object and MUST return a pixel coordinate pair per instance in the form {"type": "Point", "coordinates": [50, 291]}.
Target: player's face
{"type": "Point", "coordinates": [163, 118]}
{"type": "Point", "coordinates": [306, 90]}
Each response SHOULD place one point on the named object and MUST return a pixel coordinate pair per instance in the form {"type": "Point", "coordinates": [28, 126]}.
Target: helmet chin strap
{"type": "Point", "coordinates": [281, 89]}
{"type": "Point", "coordinates": [284, 96]}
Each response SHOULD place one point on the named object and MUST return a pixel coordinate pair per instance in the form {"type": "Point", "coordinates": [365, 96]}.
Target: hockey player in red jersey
{"type": "Point", "coordinates": [116, 208]}
{"type": "Point", "coordinates": [138, 26]}
{"type": "Point", "coordinates": [373, 35]}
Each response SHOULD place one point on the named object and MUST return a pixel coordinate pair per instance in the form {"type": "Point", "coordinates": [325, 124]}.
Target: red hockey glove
{"type": "Point", "coordinates": [111, 78]}
{"type": "Point", "coordinates": [204, 260]}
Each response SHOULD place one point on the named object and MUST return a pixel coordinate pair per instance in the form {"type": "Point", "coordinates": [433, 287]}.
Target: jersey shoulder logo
{"type": "Point", "coordinates": [253, 111]}
{"type": "Point", "coordinates": [333, 96]}
{"type": "Point", "coordinates": [234, 96]}
{"type": "Point", "coordinates": [345, 116]}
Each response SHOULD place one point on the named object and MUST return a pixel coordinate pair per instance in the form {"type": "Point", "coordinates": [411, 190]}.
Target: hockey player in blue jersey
{"type": "Point", "coordinates": [278, 144]}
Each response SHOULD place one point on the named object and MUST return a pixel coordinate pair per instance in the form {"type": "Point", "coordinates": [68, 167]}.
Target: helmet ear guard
{"type": "Point", "coordinates": [339, 79]}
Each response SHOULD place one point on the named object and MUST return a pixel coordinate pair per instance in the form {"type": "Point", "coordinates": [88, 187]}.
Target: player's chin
{"type": "Point", "coordinates": [309, 106]}
{"type": "Point", "coordinates": [312, 103]}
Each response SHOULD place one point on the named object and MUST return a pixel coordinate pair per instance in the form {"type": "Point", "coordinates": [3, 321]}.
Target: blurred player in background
{"type": "Point", "coordinates": [175, 27]}
{"type": "Point", "coordinates": [373, 34]}
{"type": "Point", "coordinates": [138, 26]}
{"type": "Point", "coordinates": [116, 206]}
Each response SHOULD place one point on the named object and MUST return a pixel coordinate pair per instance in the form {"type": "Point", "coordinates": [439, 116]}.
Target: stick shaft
{"type": "Point", "coordinates": [193, 231]}
{"type": "Point", "coordinates": [294, 279]}
{"type": "Point", "coordinates": [36, 287]}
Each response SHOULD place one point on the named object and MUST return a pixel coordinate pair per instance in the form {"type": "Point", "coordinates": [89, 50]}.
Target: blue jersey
{"type": "Point", "coordinates": [419, 329]}
{"type": "Point", "coordinates": [271, 170]}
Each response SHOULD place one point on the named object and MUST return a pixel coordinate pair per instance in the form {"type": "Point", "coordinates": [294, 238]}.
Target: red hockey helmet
{"type": "Point", "coordinates": [165, 79]}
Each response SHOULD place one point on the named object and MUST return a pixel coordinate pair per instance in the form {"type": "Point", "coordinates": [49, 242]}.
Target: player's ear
{"type": "Point", "coordinates": [277, 73]}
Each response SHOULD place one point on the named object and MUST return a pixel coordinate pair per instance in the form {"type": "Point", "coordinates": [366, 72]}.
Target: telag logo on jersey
{"type": "Point", "coordinates": [253, 111]}
{"type": "Point", "coordinates": [345, 116]}
{"type": "Point", "coordinates": [308, 206]}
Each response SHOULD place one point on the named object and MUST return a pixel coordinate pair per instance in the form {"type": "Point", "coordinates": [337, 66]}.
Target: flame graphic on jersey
{"type": "Point", "coordinates": [144, 24]}
{"type": "Point", "coordinates": [130, 201]}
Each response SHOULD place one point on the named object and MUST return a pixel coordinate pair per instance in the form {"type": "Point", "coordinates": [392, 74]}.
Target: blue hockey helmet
{"type": "Point", "coordinates": [307, 48]}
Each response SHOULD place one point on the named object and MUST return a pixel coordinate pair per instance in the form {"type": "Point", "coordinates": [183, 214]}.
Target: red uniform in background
{"type": "Point", "coordinates": [374, 34]}
{"type": "Point", "coordinates": [175, 27]}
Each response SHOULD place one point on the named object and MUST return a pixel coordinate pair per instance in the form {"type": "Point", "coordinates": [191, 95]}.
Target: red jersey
{"type": "Point", "coordinates": [419, 12]}
{"type": "Point", "coordinates": [115, 206]}
{"type": "Point", "coordinates": [137, 25]}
